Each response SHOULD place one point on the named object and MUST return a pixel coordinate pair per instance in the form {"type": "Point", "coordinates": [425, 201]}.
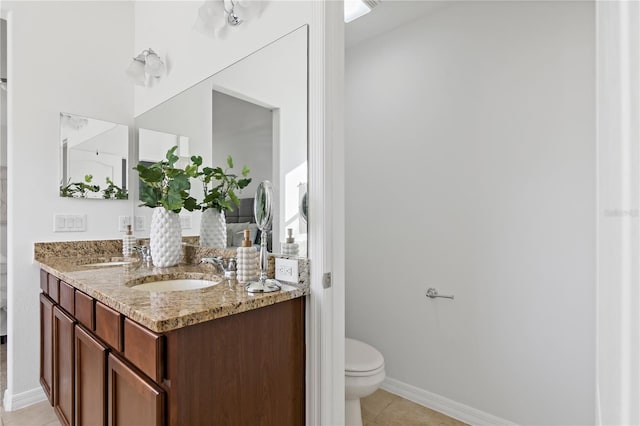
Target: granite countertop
{"type": "Point", "coordinates": [162, 311]}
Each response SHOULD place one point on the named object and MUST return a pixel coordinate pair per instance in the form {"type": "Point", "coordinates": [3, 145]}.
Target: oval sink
{"type": "Point", "coordinates": [103, 264]}
{"type": "Point", "coordinates": [175, 285]}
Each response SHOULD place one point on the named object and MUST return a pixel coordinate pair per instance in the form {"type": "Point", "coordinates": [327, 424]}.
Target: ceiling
{"type": "Point", "coordinates": [388, 15]}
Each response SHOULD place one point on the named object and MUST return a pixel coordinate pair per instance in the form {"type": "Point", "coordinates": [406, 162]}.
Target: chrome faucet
{"type": "Point", "coordinates": [145, 253]}
{"type": "Point", "coordinates": [229, 271]}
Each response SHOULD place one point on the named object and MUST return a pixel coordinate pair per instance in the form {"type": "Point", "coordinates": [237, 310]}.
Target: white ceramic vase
{"type": "Point", "coordinates": [213, 229]}
{"type": "Point", "coordinates": [166, 238]}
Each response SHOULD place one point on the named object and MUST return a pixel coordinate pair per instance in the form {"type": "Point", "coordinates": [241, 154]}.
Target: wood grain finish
{"type": "Point", "coordinates": [44, 283]}
{"type": "Point", "coordinates": [144, 349]}
{"type": "Point", "coordinates": [109, 326]}
{"type": "Point", "coordinates": [67, 301]}
{"type": "Point", "coordinates": [90, 382]}
{"type": "Point", "coordinates": [132, 398]}
{"type": "Point", "coordinates": [63, 365]}
{"type": "Point", "coordinates": [46, 346]}
{"type": "Point", "coordinates": [54, 288]}
{"type": "Point", "coordinates": [245, 369]}
{"type": "Point", "coordinates": [84, 310]}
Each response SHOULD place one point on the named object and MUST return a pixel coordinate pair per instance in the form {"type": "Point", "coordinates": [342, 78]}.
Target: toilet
{"type": "Point", "coordinates": [364, 373]}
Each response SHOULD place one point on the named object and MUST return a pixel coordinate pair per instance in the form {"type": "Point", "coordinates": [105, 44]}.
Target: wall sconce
{"type": "Point", "coordinates": [214, 16]}
{"type": "Point", "coordinates": [73, 122]}
{"type": "Point", "coordinates": [232, 18]}
{"type": "Point", "coordinates": [146, 63]}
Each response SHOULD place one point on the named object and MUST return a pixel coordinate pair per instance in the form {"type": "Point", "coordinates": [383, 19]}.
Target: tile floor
{"type": "Point", "coordinates": [380, 409]}
{"type": "Point", "coordinates": [386, 409]}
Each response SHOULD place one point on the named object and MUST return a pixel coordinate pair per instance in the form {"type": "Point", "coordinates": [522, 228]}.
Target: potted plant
{"type": "Point", "coordinates": [220, 187]}
{"type": "Point", "coordinates": [166, 190]}
{"type": "Point", "coordinates": [79, 189]}
{"type": "Point", "coordinates": [113, 191]}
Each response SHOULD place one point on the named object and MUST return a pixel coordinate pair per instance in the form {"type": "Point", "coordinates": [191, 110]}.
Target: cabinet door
{"type": "Point", "coordinates": [132, 398]}
{"type": "Point", "coordinates": [63, 360]}
{"type": "Point", "coordinates": [46, 346]}
{"type": "Point", "coordinates": [90, 382]}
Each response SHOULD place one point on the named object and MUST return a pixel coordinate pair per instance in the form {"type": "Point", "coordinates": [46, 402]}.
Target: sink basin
{"type": "Point", "coordinates": [175, 285]}
{"type": "Point", "coordinates": [103, 264]}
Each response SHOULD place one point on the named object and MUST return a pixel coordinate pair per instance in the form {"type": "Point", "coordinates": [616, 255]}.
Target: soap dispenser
{"type": "Point", "coordinates": [290, 247]}
{"type": "Point", "coordinates": [128, 242]}
{"type": "Point", "coordinates": [247, 260]}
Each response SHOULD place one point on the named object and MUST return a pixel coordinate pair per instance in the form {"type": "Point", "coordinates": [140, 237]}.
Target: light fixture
{"type": "Point", "coordinates": [73, 122]}
{"type": "Point", "coordinates": [232, 18]}
{"type": "Point", "coordinates": [146, 63]}
{"type": "Point", "coordinates": [215, 16]}
{"type": "Point", "coordinates": [354, 9]}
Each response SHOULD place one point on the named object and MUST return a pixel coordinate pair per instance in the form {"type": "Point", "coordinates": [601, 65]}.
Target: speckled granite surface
{"type": "Point", "coordinates": [159, 311]}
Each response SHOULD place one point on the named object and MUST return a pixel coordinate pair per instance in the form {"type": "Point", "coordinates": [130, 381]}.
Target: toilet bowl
{"type": "Point", "coordinates": [364, 372]}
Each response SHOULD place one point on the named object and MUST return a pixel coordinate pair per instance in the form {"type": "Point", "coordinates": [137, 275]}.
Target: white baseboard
{"type": "Point", "coordinates": [451, 408]}
{"type": "Point", "coordinates": [12, 402]}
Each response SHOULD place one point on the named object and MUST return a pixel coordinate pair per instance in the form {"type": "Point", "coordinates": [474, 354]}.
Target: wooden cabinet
{"type": "Point", "coordinates": [90, 382]}
{"type": "Point", "coordinates": [63, 365]}
{"type": "Point", "coordinates": [132, 398]}
{"type": "Point", "coordinates": [46, 345]}
{"type": "Point", "coordinates": [98, 367]}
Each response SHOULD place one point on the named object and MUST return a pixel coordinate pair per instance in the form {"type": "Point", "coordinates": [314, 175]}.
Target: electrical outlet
{"type": "Point", "coordinates": [123, 222]}
{"type": "Point", "coordinates": [185, 221]}
{"type": "Point", "coordinates": [287, 270]}
{"type": "Point", "coordinates": [69, 222]}
{"type": "Point", "coordinates": [139, 225]}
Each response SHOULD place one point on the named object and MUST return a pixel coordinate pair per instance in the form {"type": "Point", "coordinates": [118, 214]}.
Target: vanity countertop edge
{"type": "Point", "coordinates": [164, 311]}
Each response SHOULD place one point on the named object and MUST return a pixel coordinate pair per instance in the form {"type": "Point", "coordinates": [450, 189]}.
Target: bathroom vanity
{"type": "Point", "coordinates": [113, 354]}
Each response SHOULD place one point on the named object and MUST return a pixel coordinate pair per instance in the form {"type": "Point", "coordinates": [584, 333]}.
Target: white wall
{"type": "Point", "coordinates": [63, 56]}
{"type": "Point", "coordinates": [470, 152]}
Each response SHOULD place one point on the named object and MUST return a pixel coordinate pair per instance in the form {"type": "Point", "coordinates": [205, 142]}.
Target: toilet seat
{"type": "Point", "coordinates": [362, 359]}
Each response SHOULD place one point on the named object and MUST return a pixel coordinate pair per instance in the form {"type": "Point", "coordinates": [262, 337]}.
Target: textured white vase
{"type": "Point", "coordinates": [213, 229]}
{"type": "Point", "coordinates": [166, 238]}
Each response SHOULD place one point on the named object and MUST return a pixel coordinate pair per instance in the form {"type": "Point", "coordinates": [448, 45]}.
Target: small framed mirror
{"type": "Point", "coordinates": [94, 158]}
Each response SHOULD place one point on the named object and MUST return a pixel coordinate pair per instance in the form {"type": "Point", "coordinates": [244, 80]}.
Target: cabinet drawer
{"type": "Point", "coordinates": [109, 326]}
{"type": "Point", "coordinates": [144, 349]}
{"type": "Point", "coordinates": [54, 288]}
{"type": "Point", "coordinates": [85, 313]}
{"type": "Point", "coordinates": [67, 297]}
{"type": "Point", "coordinates": [44, 284]}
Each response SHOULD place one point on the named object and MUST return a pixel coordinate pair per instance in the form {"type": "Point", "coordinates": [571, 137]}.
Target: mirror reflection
{"type": "Point", "coordinates": [94, 158]}
{"type": "Point", "coordinates": [254, 111]}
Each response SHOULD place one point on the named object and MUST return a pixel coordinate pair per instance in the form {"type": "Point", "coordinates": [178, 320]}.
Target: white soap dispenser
{"type": "Point", "coordinates": [128, 242]}
{"type": "Point", "coordinates": [290, 248]}
{"type": "Point", "coordinates": [247, 260]}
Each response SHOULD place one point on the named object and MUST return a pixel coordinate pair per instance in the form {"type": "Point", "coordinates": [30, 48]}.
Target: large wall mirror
{"type": "Point", "coordinates": [94, 158]}
{"type": "Point", "coordinates": [255, 111]}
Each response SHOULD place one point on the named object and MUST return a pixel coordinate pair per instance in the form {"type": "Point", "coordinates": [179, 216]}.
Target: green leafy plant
{"type": "Point", "coordinates": [219, 184]}
{"type": "Point", "coordinates": [165, 185]}
{"type": "Point", "coordinates": [78, 189]}
{"type": "Point", "coordinates": [114, 192]}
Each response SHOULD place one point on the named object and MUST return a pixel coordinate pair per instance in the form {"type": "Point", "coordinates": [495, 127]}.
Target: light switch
{"type": "Point", "coordinates": [69, 223]}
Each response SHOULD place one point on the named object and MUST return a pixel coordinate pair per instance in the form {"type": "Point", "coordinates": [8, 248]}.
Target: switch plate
{"type": "Point", "coordinates": [185, 221]}
{"type": "Point", "coordinates": [123, 221]}
{"type": "Point", "coordinates": [139, 225]}
{"type": "Point", "coordinates": [69, 222]}
{"type": "Point", "coordinates": [287, 270]}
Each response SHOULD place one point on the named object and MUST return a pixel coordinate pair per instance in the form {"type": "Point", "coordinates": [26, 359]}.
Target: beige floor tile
{"type": "Point", "coordinates": [402, 412]}
{"type": "Point", "coordinates": [40, 414]}
{"type": "Point", "coordinates": [373, 405]}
